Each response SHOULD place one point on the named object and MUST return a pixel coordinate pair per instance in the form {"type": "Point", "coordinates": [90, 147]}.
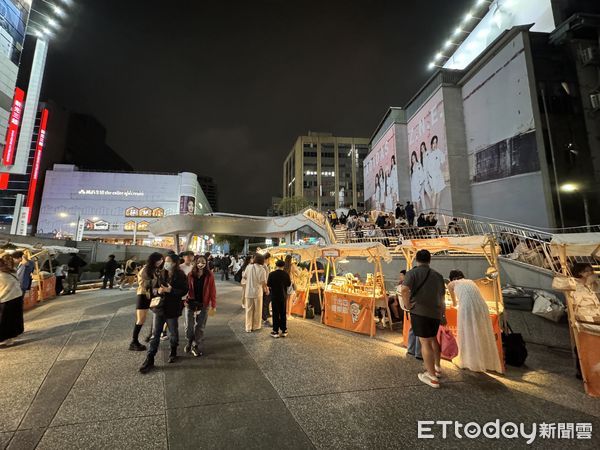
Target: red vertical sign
{"type": "Point", "coordinates": [11, 134]}
{"type": "Point", "coordinates": [37, 159]}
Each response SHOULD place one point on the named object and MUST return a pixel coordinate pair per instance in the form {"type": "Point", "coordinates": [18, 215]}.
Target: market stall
{"type": "Point", "coordinates": [489, 285]}
{"type": "Point", "coordinates": [350, 303]}
{"type": "Point", "coordinates": [583, 303]}
{"type": "Point", "coordinates": [44, 281]}
{"type": "Point", "coordinates": [305, 280]}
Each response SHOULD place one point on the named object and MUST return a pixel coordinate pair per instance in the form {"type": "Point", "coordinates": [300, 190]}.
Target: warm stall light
{"type": "Point", "coordinates": [569, 187]}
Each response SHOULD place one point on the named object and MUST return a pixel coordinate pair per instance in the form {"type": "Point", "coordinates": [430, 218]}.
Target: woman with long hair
{"type": "Point", "coordinates": [200, 302]}
{"type": "Point", "coordinates": [292, 270]}
{"type": "Point", "coordinates": [417, 180]}
{"type": "Point", "coordinates": [433, 163]}
{"type": "Point", "coordinates": [173, 286]}
{"type": "Point", "coordinates": [11, 302]}
{"type": "Point", "coordinates": [148, 284]}
{"type": "Point", "coordinates": [255, 277]}
{"type": "Point", "coordinates": [477, 350]}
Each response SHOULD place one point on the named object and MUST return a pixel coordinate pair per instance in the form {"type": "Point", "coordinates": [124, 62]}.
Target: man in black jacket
{"type": "Point", "coordinates": [74, 265]}
{"type": "Point", "coordinates": [110, 269]}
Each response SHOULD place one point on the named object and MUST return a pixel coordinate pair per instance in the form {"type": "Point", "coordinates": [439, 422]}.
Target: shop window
{"type": "Point", "coordinates": [158, 212]}
{"type": "Point", "coordinates": [143, 226]}
{"type": "Point", "coordinates": [145, 212]}
{"type": "Point", "coordinates": [129, 226]}
{"type": "Point", "coordinates": [132, 212]}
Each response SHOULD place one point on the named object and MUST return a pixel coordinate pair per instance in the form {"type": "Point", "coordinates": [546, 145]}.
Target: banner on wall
{"type": "Point", "coordinates": [12, 132]}
{"type": "Point", "coordinates": [349, 312]}
{"type": "Point", "coordinates": [187, 205]}
{"type": "Point", "coordinates": [428, 156]}
{"type": "Point", "coordinates": [381, 174]}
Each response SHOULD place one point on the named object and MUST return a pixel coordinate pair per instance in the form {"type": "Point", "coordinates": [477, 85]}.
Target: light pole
{"type": "Point", "coordinates": [571, 188]}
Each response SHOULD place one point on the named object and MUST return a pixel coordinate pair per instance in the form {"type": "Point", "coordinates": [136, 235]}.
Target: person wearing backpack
{"type": "Point", "coordinates": [423, 292]}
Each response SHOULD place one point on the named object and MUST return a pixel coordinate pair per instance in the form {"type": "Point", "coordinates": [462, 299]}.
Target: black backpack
{"type": "Point", "coordinates": [238, 275]}
{"type": "Point", "coordinates": [515, 350]}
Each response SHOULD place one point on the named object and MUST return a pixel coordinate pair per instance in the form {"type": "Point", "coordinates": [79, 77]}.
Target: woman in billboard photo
{"type": "Point", "coordinates": [417, 180]}
{"type": "Point", "coordinates": [433, 162]}
{"type": "Point", "coordinates": [377, 195]}
{"type": "Point", "coordinates": [392, 186]}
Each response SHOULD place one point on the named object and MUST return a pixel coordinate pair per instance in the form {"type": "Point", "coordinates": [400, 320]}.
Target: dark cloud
{"type": "Point", "coordinates": [224, 88]}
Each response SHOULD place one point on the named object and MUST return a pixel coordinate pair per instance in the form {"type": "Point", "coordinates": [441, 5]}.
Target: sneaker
{"type": "Point", "coordinates": [429, 380]}
{"type": "Point", "coordinates": [137, 347]}
{"type": "Point", "coordinates": [274, 334]}
{"type": "Point", "coordinates": [438, 371]}
{"type": "Point", "coordinates": [196, 351]}
{"type": "Point", "coordinates": [164, 337]}
{"type": "Point", "coordinates": [284, 334]}
{"type": "Point", "coordinates": [187, 348]}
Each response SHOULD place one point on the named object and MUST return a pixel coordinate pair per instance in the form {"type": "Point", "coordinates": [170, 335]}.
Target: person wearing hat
{"type": "Point", "coordinates": [278, 282]}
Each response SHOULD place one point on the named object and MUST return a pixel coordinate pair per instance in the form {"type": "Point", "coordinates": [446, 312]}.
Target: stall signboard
{"type": "Point", "coordinates": [349, 312]}
{"type": "Point", "coordinates": [431, 244]}
{"type": "Point", "coordinates": [332, 253]}
{"type": "Point", "coordinates": [298, 301]}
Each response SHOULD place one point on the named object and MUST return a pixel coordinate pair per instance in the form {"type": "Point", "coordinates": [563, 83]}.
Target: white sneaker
{"type": "Point", "coordinates": [438, 371]}
{"type": "Point", "coordinates": [429, 380]}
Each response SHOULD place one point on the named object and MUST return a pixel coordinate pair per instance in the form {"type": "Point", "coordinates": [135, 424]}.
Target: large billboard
{"type": "Point", "coordinates": [428, 157]}
{"type": "Point", "coordinates": [13, 21]}
{"type": "Point", "coordinates": [381, 174]}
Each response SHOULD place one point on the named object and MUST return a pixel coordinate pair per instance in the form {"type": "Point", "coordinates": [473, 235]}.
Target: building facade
{"type": "Point", "coordinates": [114, 206]}
{"type": "Point", "coordinates": [210, 189]}
{"type": "Point", "coordinates": [326, 170]}
{"type": "Point", "coordinates": [509, 133]}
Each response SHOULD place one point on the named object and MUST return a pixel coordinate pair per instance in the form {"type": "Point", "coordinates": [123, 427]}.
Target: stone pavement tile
{"type": "Point", "coordinates": [248, 425]}
{"type": "Point", "coordinates": [81, 344]}
{"type": "Point", "coordinates": [4, 439]}
{"type": "Point", "coordinates": [26, 439]}
{"type": "Point", "coordinates": [388, 418]}
{"type": "Point", "coordinates": [130, 433]}
{"type": "Point", "coordinates": [52, 393]}
{"type": "Point", "coordinates": [224, 374]}
{"type": "Point", "coordinates": [19, 384]}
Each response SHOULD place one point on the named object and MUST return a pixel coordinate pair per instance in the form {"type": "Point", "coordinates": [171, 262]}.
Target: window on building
{"type": "Point", "coordinates": [129, 226]}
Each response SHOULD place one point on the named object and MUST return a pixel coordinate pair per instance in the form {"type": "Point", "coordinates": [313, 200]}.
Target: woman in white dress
{"type": "Point", "coordinates": [375, 205]}
{"type": "Point", "coordinates": [433, 160]}
{"type": "Point", "coordinates": [417, 178]}
{"type": "Point", "coordinates": [477, 350]}
{"type": "Point", "coordinates": [393, 183]}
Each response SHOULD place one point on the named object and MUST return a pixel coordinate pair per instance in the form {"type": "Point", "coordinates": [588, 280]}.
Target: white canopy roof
{"type": "Point", "coordinates": [370, 250]}
{"type": "Point", "coordinates": [465, 244]}
{"type": "Point", "coordinates": [576, 244]}
{"type": "Point", "coordinates": [306, 253]}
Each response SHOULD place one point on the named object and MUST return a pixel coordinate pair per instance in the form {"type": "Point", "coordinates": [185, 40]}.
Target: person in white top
{"type": "Point", "coordinates": [255, 285]}
{"type": "Point", "coordinates": [433, 160]}
{"type": "Point", "coordinates": [11, 302]}
{"type": "Point", "coordinates": [188, 262]}
{"type": "Point", "coordinates": [477, 350]}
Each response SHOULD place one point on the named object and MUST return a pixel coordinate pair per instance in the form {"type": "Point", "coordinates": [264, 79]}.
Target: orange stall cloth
{"type": "Point", "coordinates": [33, 297]}
{"type": "Point", "coordinates": [588, 352]}
{"type": "Point", "coordinates": [349, 312]}
{"type": "Point", "coordinates": [452, 325]}
{"type": "Point", "coordinates": [298, 303]}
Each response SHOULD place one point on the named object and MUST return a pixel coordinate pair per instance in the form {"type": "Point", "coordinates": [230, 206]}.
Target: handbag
{"type": "Point", "coordinates": [515, 350]}
{"type": "Point", "coordinates": [562, 283]}
{"type": "Point", "coordinates": [156, 303]}
{"type": "Point", "coordinates": [310, 312]}
{"type": "Point", "coordinates": [291, 289]}
{"type": "Point", "coordinates": [448, 344]}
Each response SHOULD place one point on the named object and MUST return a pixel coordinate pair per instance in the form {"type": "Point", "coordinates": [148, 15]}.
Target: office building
{"type": "Point", "coordinates": [326, 170]}
{"type": "Point", "coordinates": [210, 189]}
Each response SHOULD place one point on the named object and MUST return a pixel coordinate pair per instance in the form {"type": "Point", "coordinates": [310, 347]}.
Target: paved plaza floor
{"type": "Point", "coordinates": [72, 384]}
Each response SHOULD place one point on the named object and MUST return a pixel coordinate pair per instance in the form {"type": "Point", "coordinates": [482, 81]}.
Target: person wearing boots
{"type": "Point", "coordinates": [173, 286]}
{"type": "Point", "coordinates": [200, 302]}
{"type": "Point", "coordinates": [148, 284]}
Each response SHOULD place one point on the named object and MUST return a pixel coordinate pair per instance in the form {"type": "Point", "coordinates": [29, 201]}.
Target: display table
{"type": "Point", "coordinates": [452, 325]}
{"type": "Point", "coordinates": [349, 312]}
{"type": "Point", "coordinates": [33, 297]}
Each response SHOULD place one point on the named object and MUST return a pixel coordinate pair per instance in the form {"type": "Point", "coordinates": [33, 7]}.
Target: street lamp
{"type": "Point", "coordinates": [571, 188]}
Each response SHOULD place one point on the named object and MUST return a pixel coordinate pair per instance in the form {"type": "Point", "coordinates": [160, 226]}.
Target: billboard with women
{"type": "Point", "coordinates": [381, 174]}
{"type": "Point", "coordinates": [428, 156]}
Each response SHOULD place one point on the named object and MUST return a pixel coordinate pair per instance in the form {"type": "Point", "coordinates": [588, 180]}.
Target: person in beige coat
{"type": "Point", "coordinates": [11, 302]}
{"type": "Point", "coordinates": [255, 282]}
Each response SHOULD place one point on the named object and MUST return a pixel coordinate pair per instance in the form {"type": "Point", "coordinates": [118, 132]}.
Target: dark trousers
{"type": "Point", "coordinates": [58, 287]}
{"type": "Point", "coordinates": [108, 279]}
{"type": "Point", "coordinates": [411, 220]}
{"type": "Point", "coordinates": [266, 303]}
{"type": "Point", "coordinates": [279, 315]}
{"type": "Point", "coordinates": [225, 274]}
{"type": "Point", "coordinates": [157, 325]}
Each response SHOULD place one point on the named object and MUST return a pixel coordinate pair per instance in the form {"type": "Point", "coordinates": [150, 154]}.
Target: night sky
{"type": "Point", "coordinates": [223, 88]}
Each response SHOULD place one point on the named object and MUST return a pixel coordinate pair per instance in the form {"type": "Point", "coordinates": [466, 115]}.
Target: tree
{"type": "Point", "coordinates": [292, 205]}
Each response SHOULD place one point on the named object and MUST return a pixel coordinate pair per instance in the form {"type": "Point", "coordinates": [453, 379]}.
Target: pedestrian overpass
{"type": "Point", "coordinates": [187, 226]}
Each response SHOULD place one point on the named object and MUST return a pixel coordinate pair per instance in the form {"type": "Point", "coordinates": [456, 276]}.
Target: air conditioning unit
{"type": "Point", "coordinates": [595, 101]}
{"type": "Point", "coordinates": [589, 55]}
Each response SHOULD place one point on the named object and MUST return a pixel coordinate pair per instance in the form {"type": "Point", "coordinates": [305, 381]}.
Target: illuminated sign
{"type": "Point", "coordinates": [144, 212]}
{"type": "Point", "coordinates": [11, 134]}
{"type": "Point", "coordinates": [110, 193]}
{"type": "Point", "coordinates": [37, 159]}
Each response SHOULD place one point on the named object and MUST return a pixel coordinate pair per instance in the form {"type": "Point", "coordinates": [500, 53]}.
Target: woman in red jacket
{"type": "Point", "coordinates": [201, 301]}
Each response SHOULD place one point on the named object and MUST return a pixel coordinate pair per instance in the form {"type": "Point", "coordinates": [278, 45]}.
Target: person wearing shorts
{"type": "Point", "coordinates": [148, 284]}
{"type": "Point", "coordinates": [423, 292]}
